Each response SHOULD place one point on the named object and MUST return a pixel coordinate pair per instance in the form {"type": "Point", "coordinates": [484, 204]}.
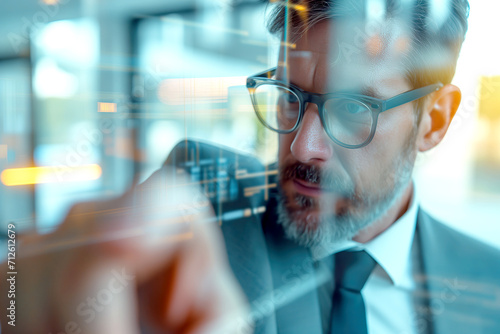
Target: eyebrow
{"type": "Point", "coordinates": [370, 91]}
{"type": "Point", "coordinates": [367, 91]}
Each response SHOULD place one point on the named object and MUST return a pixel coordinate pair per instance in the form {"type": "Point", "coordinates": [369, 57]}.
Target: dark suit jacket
{"type": "Point", "coordinates": [458, 277]}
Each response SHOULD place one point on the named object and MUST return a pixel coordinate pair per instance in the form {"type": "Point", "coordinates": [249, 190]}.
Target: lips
{"type": "Point", "coordinates": [330, 199]}
{"type": "Point", "coordinates": [307, 188]}
{"type": "Point", "coordinates": [316, 183]}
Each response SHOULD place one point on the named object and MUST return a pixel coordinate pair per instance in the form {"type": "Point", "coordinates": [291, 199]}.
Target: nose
{"type": "Point", "coordinates": [311, 144]}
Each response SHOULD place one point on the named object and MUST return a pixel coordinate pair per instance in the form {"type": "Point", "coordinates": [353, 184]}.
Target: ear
{"type": "Point", "coordinates": [437, 115]}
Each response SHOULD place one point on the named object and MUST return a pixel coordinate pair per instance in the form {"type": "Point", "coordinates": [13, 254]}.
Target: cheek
{"type": "Point", "coordinates": [284, 144]}
{"type": "Point", "coordinates": [394, 128]}
{"type": "Point", "coordinates": [377, 160]}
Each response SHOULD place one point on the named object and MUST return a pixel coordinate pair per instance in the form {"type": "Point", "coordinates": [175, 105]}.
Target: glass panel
{"type": "Point", "coordinates": [16, 150]}
{"type": "Point", "coordinates": [192, 77]}
{"type": "Point", "coordinates": [67, 135]}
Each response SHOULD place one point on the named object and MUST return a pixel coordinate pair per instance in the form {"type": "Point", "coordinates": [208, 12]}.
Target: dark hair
{"type": "Point", "coordinates": [427, 40]}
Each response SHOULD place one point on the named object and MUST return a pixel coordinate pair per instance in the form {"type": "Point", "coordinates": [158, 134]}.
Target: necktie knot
{"type": "Point", "coordinates": [352, 269]}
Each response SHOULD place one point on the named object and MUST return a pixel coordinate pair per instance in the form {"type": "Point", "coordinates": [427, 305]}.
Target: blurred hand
{"type": "Point", "coordinates": [152, 261]}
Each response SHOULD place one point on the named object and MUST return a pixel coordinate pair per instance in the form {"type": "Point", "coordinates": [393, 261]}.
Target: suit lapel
{"type": "Point", "coordinates": [422, 316]}
{"type": "Point", "coordinates": [250, 264]}
{"type": "Point", "coordinates": [459, 279]}
{"type": "Point", "coordinates": [433, 276]}
{"type": "Point", "coordinates": [294, 280]}
{"type": "Point", "coordinates": [247, 251]}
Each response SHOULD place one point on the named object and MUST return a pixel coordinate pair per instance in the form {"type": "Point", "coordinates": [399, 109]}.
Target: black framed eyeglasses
{"type": "Point", "coordinates": [350, 120]}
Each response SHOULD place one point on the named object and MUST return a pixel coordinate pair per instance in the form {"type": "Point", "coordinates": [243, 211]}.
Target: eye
{"type": "Point", "coordinates": [348, 111]}
{"type": "Point", "coordinates": [352, 108]}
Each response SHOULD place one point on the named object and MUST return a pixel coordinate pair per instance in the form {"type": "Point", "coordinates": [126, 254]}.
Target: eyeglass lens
{"type": "Point", "coordinates": [347, 120]}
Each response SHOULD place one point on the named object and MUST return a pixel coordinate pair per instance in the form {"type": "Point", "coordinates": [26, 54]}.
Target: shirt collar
{"type": "Point", "coordinates": [394, 259]}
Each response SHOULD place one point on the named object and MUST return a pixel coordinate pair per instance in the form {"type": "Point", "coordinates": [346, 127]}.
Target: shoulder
{"type": "Point", "coordinates": [450, 239]}
{"type": "Point", "coordinates": [457, 252]}
{"type": "Point", "coordinates": [461, 276]}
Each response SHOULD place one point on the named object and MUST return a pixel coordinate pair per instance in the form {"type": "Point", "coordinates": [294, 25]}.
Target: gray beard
{"type": "Point", "coordinates": [329, 228]}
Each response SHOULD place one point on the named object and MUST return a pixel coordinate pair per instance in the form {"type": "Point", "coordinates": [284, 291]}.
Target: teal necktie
{"type": "Point", "coordinates": [352, 269]}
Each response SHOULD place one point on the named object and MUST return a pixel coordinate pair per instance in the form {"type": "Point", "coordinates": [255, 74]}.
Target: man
{"type": "Point", "coordinates": [338, 244]}
{"type": "Point", "coordinates": [345, 176]}
{"type": "Point", "coordinates": [342, 246]}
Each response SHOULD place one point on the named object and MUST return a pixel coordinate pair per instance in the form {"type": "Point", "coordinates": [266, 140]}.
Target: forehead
{"type": "Point", "coordinates": [344, 56]}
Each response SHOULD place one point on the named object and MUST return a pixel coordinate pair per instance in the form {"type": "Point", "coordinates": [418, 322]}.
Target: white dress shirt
{"type": "Point", "coordinates": [388, 291]}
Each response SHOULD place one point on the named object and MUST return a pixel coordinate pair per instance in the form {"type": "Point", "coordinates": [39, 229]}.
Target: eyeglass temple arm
{"type": "Point", "coordinates": [413, 95]}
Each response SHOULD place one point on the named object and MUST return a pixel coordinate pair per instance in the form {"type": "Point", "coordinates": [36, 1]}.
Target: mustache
{"type": "Point", "coordinates": [326, 179]}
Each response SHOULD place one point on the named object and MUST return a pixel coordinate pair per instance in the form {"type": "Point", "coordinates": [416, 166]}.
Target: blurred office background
{"type": "Point", "coordinates": [93, 93]}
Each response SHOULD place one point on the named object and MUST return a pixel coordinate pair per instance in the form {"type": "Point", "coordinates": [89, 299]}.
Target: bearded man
{"type": "Point", "coordinates": [330, 239]}
{"type": "Point", "coordinates": [342, 245]}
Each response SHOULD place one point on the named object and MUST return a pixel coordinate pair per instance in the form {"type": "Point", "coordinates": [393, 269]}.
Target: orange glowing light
{"type": "Point", "coordinates": [106, 107]}
{"type": "Point", "coordinates": [50, 2]}
{"type": "Point", "coordinates": [289, 45]}
{"type": "Point", "coordinates": [50, 174]}
{"type": "Point", "coordinates": [297, 7]}
{"type": "Point", "coordinates": [300, 8]}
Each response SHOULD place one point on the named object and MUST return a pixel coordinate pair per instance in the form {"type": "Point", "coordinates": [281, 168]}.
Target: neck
{"type": "Point", "coordinates": [392, 215]}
